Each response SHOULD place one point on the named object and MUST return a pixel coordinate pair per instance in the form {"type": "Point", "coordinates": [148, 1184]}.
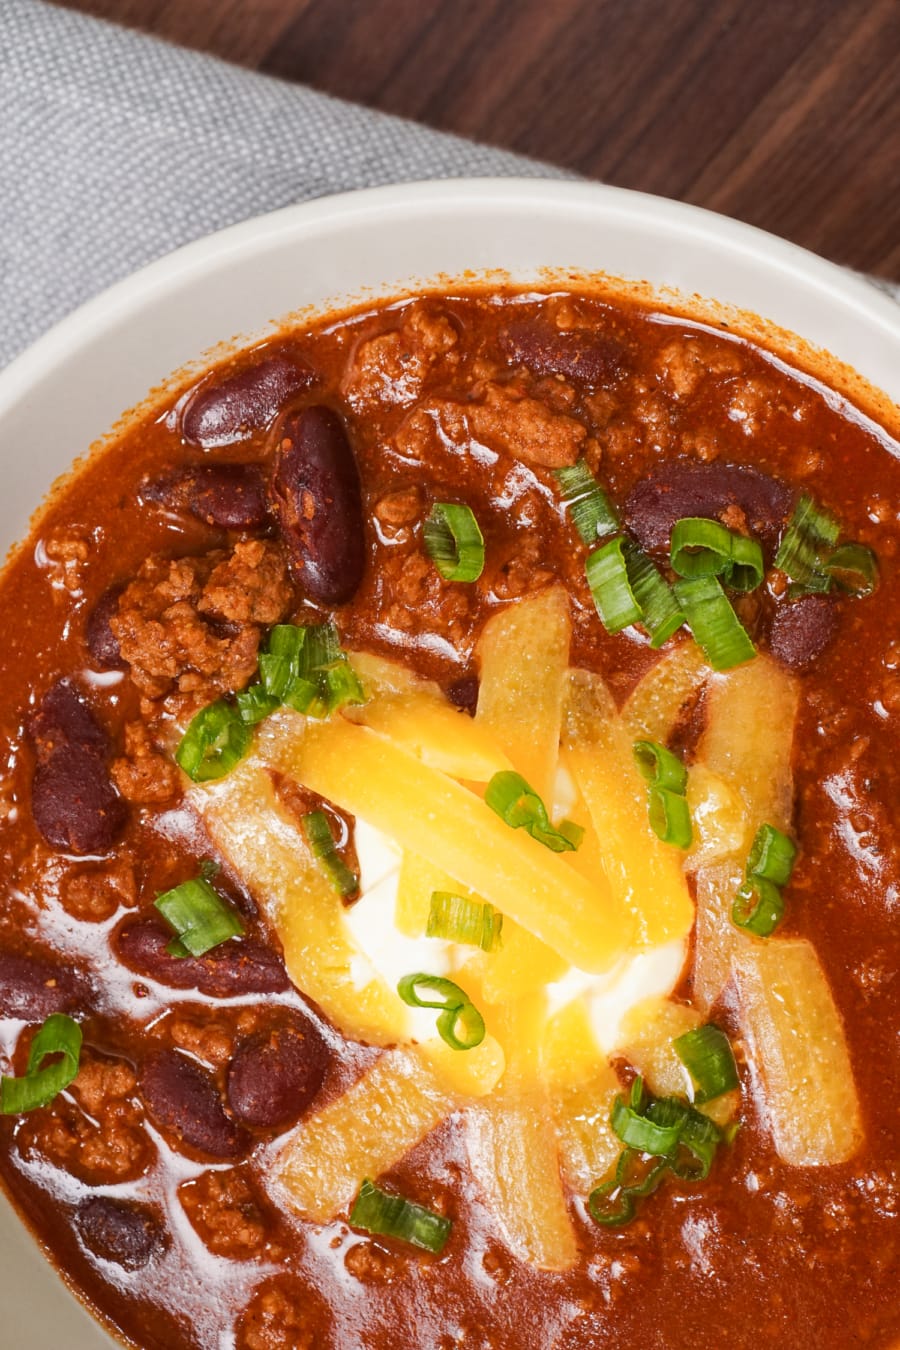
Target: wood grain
{"type": "Point", "coordinates": [784, 113]}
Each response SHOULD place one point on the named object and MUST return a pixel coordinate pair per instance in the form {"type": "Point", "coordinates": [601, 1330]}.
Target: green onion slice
{"type": "Point", "coordinates": [771, 856]}
{"type": "Point", "coordinates": [747, 566]}
{"type": "Point", "coordinates": [454, 542]}
{"type": "Point", "coordinates": [700, 1138]}
{"type": "Point", "coordinates": [611, 1205]}
{"type": "Point", "coordinates": [670, 817]}
{"type": "Point", "coordinates": [639, 1174]}
{"type": "Point", "coordinates": [853, 568]}
{"type": "Point", "coordinates": [200, 917]}
{"type": "Point", "coordinates": [716, 628]}
{"type": "Point", "coordinates": [705, 548]}
{"type": "Point", "coordinates": [458, 919]}
{"type": "Point", "coordinates": [644, 1134]}
{"type": "Point", "coordinates": [459, 1023]}
{"type": "Point", "coordinates": [591, 511]}
{"type": "Point", "coordinates": [660, 767]}
{"type": "Point", "coordinates": [318, 835]}
{"type": "Point", "coordinates": [522, 809]}
{"type": "Point", "coordinates": [254, 704]}
{"type": "Point", "coordinates": [809, 538]}
{"type": "Point", "coordinates": [607, 577]}
{"type": "Point", "coordinates": [215, 741]}
{"type": "Point", "coordinates": [388, 1215]}
{"type": "Point", "coordinates": [758, 907]}
{"type": "Point", "coordinates": [40, 1083]}
{"type": "Point", "coordinates": [707, 1055]}
{"type": "Point", "coordinates": [628, 589]}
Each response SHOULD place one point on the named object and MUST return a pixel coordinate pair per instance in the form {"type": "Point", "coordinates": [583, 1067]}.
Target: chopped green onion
{"type": "Point", "coordinates": [670, 817]}
{"type": "Point", "coordinates": [322, 647]}
{"type": "Point", "coordinates": [571, 831]}
{"type": "Point", "coordinates": [639, 1174]}
{"type": "Point", "coordinates": [715, 626]}
{"type": "Point", "coordinates": [341, 686]}
{"type": "Point", "coordinates": [591, 511]}
{"type": "Point", "coordinates": [758, 907]}
{"type": "Point", "coordinates": [458, 919]}
{"type": "Point", "coordinates": [215, 741]}
{"type": "Point", "coordinates": [254, 704]}
{"type": "Point", "coordinates": [747, 566]}
{"type": "Point", "coordinates": [607, 577]}
{"type": "Point", "coordinates": [771, 856]}
{"type": "Point", "coordinates": [199, 916]}
{"type": "Point", "coordinates": [304, 696]}
{"type": "Point", "coordinates": [660, 767]}
{"type": "Point", "coordinates": [640, 1132]}
{"type": "Point", "coordinates": [40, 1083]}
{"type": "Point", "coordinates": [661, 613]}
{"type": "Point", "coordinates": [322, 846]}
{"type": "Point", "coordinates": [854, 569]}
{"type": "Point", "coordinates": [700, 547]}
{"type": "Point", "coordinates": [454, 542]}
{"type": "Point", "coordinates": [628, 589]}
{"type": "Point", "coordinates": [707, 1055]}
{"type": "Point", "coordinates": [810, 536]}
{"type": "Point", "coordinates": [305, 668]}
{"type": "Point", "coordinates": [700, 1138]}
{"type": "Point", "coordinates": [705, 548]}
{"type": "Point", "coordinates": [521, 808]}
{"type": "Point", "coordinates": [388, 1215]}
{"type": "Point", "coordinates": [459, 1024]}
{"type": "Point", "coordinates": [611, 1205]}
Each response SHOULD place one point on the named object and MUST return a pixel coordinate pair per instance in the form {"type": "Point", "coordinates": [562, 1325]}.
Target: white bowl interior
{"type": "Point", "coordinates": [69, 389]}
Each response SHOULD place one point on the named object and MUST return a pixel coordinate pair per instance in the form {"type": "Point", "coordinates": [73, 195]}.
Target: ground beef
{"type": "Point", "coordinates": [393, 367]}
{"type": "Point", "coordinates": [512, 423]}
{"type": "Point", "coordinates": [193, 625]}
{"type": "Point", "coordinates": [229, 1216]}
{"type": "Point", "coordinates": [285, 1314]}
{"type": "Point", "coordinates": [413, 597]}
{"type": "Point", "coordinates": [96, 893]}
{"type": "Point", "coordinates": [99, 1134]}
{"type": "Point", "coordinates": [143, 774]}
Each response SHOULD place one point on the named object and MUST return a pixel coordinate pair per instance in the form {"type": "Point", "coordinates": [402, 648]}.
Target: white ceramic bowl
{"type": "Point", "coordinates": [73, 385]}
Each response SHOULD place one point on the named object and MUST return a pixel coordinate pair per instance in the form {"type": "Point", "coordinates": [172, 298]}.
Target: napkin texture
{"type": "Point", "coordinates": [116, 148]}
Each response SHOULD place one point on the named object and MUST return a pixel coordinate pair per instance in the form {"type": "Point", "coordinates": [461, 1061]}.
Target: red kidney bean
{"type": "Point", "coordinates": [317, 499]}
{"type": "Point", "coordinates": [802, 629]}
{"type": "Point", "coordinates": [184, 1101]}
{"type": "Point", "coordinates": [220, 414]}
{"type": "Point", "coordinates": [240, 966]}
{"type": "Point", "coordinates": [102, 642]}
{"type": "Point", "coordinates": [119, 1231]}
{"type": "Point", "coordinates": [74, 803]}
{"type": "Point", "coordinates": [688, 488]}
{"type": "Point", "coordinates": [275, 1074]}
{"type": "Point", "coordinates": [229, 496]}
{"type": "Point", "coordinates": [33, 988]}
{"type": "Point", "coordinates": [578, 354]}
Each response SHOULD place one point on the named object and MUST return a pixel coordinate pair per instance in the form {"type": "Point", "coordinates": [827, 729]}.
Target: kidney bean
{"type": "Point", "coordinates": [240, 966]}
{"type": "Point", "coordinates": [578, 354]}
{"type": "Point", "coordinates": [316, 497]}
{"type": "Point", "coordinates": [230, 496]}
{"type": "Point", "coordinates": [802, 629]}
{"type": "Point", "coordinates": [184, 1101]}
{"type": "Point", "coordinates": [220, 414]}
{"type": "Point", "coordinates": [119, 1231]}
{"type": "Point", "coordinates": [688, 488]}
{"type": "Point", "coordinates": [275, 1074]}
{"type": "Point", "coordinates": [102, 642]}
{"type": "Point", "coordinates": [33, 988]}
{"type": "Point", "coordinates": [74, 803]}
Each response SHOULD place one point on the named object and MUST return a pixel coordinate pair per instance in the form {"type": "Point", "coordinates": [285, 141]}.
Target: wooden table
{"type": "Point", "coordinates": [785, 113]}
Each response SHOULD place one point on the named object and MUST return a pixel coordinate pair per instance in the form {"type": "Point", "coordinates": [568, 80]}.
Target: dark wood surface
{"type": "Point", "coordinates": [785, 113]}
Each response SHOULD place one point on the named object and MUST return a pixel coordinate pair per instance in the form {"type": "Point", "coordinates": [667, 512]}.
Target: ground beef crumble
{"type": "Point", "coordinates": [193, 625]}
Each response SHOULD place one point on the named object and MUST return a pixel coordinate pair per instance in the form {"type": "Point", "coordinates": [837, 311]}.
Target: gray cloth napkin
{"type": "Point", "coordinates": [115, 149]}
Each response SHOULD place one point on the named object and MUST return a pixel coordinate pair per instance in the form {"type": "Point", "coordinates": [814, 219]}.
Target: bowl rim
{"type": "Point", "coordinates": [164, 276]}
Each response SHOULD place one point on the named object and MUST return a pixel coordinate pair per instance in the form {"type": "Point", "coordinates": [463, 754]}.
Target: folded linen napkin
{"type": "Point", "coordinates": [117, 148]}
